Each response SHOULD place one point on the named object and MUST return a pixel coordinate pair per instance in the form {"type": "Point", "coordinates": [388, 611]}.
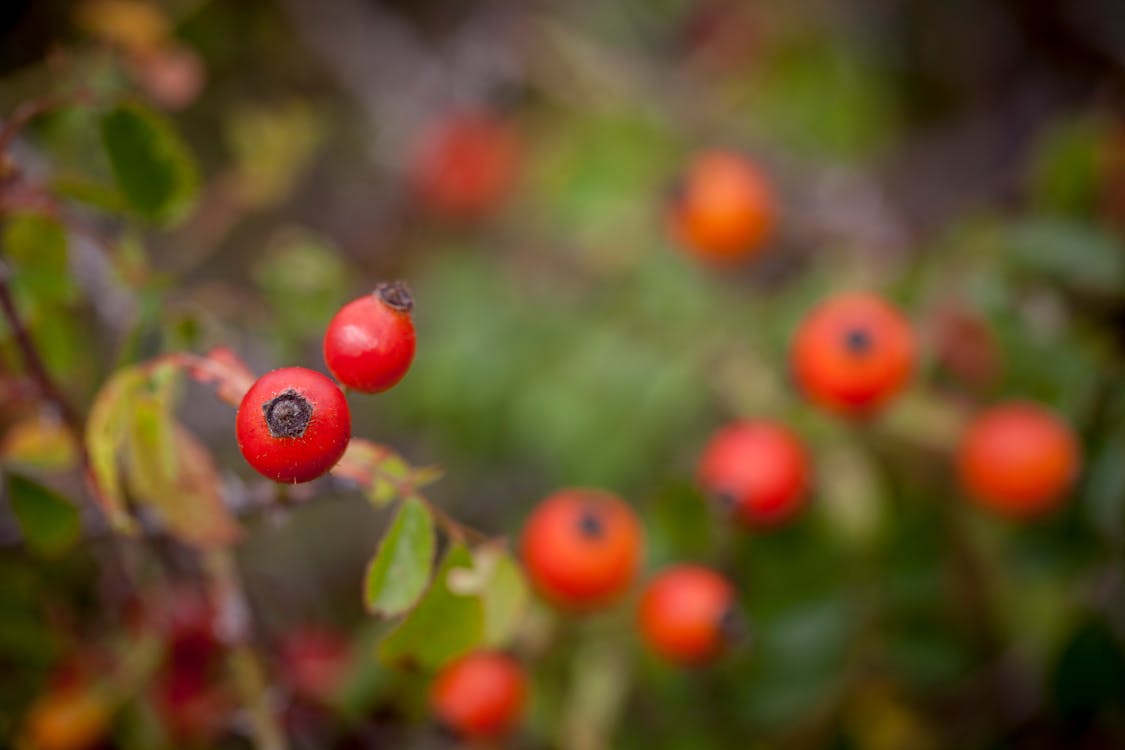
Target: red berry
{"type": "Point", "coordinates": [853, 352]}
{"type": "Point", "coordinates": [293, 425]}
{"type": "Point", "coordinates": [479, 696]}
{"type": "Point", "coordinates": [582, 547]}
{"type": "Point", "coordinates": [466, 165]}
{"type": "Point", "coordinates": [1018, 459]}
{"type": "Point", "coordinates": [725, 210]}
{"type": "Point", "coordinates": [758, 469]}
{"type": "Point", "coordinates": [688, 614]}
{"type": "Point", "coordinates": [369, 344]}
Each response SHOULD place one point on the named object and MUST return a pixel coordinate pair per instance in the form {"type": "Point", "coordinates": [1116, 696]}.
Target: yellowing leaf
{"type": "Point", "coordinates": [39, 442]}
{"type": "Point", "coordinates": [106, 430]}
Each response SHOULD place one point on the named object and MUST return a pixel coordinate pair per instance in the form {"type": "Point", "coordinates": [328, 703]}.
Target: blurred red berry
{"type": "Point", "coordinates": [853, 353]}
{"type": "Point", "coordinates": [582, 547]}
{"type": "Point", "coordinates": [687, 614]}
{"type": "Point", "coordinates": [465, 165]}
{"type": "Point", "coordinates": [758, 469]}
{"type": "Point", "coordinates": [1018, 459]}
{"type": "Point", "coordinates": [480, 696]}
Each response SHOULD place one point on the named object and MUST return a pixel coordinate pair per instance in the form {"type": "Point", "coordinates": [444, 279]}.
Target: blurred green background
{"type": "Point", "coordinates": [966, 158]}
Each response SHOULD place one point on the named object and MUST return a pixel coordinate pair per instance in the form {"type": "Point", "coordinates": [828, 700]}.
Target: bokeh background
{"type": "Point", "coordinates": [965, 158]}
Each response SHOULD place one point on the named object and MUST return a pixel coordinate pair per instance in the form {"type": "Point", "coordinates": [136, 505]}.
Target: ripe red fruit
{"type": "Point", "coordinates": [1018, 459]}
{"type": "Point", "coordinates": [853, 352]}
{"type": "Point", "coordinates": [293, 425]}
{"type": "Point", "coordinates": [479, 696]}
{"type": "Point", "coordinates": [688, 614]}
{"type": "Point", "coordinates": [758, 469]}
{"type": "Point", "coordinates": [369, 344]}
{"type": "Point", "coordinates": [581, 547]}
{"type": "Point", "coordinates": [466, 165]}
{"type": "Point", "coordinates": [725, 209]}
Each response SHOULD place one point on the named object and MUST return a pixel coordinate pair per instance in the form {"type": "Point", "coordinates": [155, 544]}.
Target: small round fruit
{"type": "Point", "coordinates": [688, 614]}
{"type": "Point", "coordinates": [724, 210]}
{"type": "Point", "coordinates": [581, 547]}
{"type": "Point", "coordinates": [479, 696]}
{"type": "Point", "coordinates": [293, 425]}
{"type": "Point", "coordinates": [72, 718]}
{"type": "Point", "coordinates": [465, 165]}
{"type": "Point", "coordinates": [757, 469]}
{"type": "Point", "coordinates": [1018, 459]}
{"type": "Point", "coordinates": [369, 344]}
{"type": "Point", "coordinates": [853, 352]}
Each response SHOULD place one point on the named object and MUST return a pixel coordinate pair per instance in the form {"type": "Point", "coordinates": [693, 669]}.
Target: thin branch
{"type": "Point", "coordinates": [34, 363]}
{"type": "Point", "coordinates": [29, 110]}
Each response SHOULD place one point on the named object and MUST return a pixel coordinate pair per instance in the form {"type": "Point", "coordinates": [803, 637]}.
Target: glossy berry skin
{"type": "Point", "coordinates": [852, 353]}
{"type": "Point", "coordinates": [757, 469]}
{"type": "Point", "coordinates": [1018, 459]}
{"type": "Point", "coordinates": [293, 425]}
{"type": "Point", "coordinates": [479, 696]}
{"type": "Point", "coordinates": [581, 548]}
{"type": "Point", "coordinates": [688, 614]}
{"type": "Point", "coordinates": [465, 165]}
{"type": "Point", "coordinates": [725, 209]}
{"type": "Point", "coordinates": [72, 718]}
{"type": "Point", "coordinates": [369, 343]}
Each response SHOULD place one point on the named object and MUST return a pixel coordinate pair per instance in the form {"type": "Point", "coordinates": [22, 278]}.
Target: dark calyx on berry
{"type": "Point", "coordinates": [288, 414]}
{"type": "Point", "coordinates": [733, 626]}
{"type": "Point", "coordinates": [396, 295]}
{"type": "Point", "coordinates": [590, 526]}
{"type": "Point", "coordinates": [858, 341]}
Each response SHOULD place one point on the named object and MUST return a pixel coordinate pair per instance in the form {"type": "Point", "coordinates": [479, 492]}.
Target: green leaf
{"type": "Point", "coordinates": [152, 166]}
{"type": "Point", "coordinates": [1070, 253]}
{"type": "Point", "coordinates": [37, 249]}
{"type": "Point", "coordinates": [399, 571]}
{"type": "Point", "coordinates": [50, 524]}
{"type": "Point", "coordinates": [443, 626]}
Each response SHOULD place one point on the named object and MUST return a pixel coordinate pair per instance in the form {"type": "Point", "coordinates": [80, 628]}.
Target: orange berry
{"type": "Point", "coordinates": [725, 210]}
{"type": "Point", "coordinates": [853, 352]}
{"type": "Point", "coordinates": [480, 696]}
{"type": "Point", "coordinates": [71, 718]}
{"type": "Point", "coordinates": [1018, 459]}
{"type": "Point", "coordinates": [582, 547]}
{"type": "Point", "coordinates": [687, 613]}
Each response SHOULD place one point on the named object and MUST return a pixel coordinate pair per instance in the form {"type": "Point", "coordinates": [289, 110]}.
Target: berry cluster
{"type": "Point", "coordinates": [851, 355]}
{"type": "Point", "coordinates": [294, 424]}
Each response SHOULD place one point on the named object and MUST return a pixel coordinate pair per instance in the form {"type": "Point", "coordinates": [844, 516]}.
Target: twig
{"type": "Point", "coordinates": [35, 367]}
{"type": "Point", "coordinates": [235, 628]}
